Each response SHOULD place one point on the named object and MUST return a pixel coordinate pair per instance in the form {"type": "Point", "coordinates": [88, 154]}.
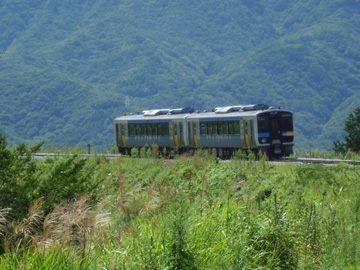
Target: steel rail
{"type": "Point", "coordinates": [55, 155]}
{"type": "Point", "coordinates": [319, 161]}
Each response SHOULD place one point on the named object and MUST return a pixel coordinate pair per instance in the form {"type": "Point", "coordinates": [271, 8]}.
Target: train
{"type": "Point", "coordinates": [226, 130]}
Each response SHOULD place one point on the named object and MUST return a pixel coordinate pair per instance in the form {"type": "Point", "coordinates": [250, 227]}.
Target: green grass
{"type": "Point", "coordinates": [198, 213]}
{"type": "Point", "coordinates": [310, 153]}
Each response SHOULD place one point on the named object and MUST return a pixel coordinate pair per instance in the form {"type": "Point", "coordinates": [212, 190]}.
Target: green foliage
{"type": "Point", "coordinates": [271, 239]}
{"type": "Point", "coordinates": [144, 151]}
{"type": "Point", "coordinates": [135, 152]}
{"type": "Point", "coordinates": [54, 259]}
{"type": "Point", "coordinates": [240, 155]}
{"type": "Point", "coordinates": [188, 213]}
{"type": "Point", "coordinates": [340, 147]}
{"type": "Point", "coordinates": [24, 180]}
{"type": "Point", "coordinates": [352, 139]}
{"type": "Point", "coordinates": [200, 214]}
{"type": "Point", "coordinates": [18, 174]}
{"type": "Point", "coordinates": [65, 179]}
{"type": "Point", "coordinates": [178, 254]}
{"type": "Point", "coordinates": [64, 77]}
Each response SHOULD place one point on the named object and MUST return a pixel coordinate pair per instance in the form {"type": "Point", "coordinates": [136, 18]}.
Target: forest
{"type": "Point", "coordinates": [67, 68]}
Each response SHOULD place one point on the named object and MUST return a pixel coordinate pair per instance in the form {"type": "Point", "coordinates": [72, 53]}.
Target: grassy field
{"type": "Point", "coordinates": [190, 213]}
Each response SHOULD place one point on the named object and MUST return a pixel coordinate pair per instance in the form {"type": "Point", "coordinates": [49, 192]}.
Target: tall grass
{"type": "Point", "coordinates": [196, 213]}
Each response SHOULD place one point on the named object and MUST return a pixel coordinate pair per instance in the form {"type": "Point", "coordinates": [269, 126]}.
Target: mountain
{"type": "Point", "coordinates": [67, 68]}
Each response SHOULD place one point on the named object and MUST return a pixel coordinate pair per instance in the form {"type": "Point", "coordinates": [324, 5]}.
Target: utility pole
{"type": "Point", "coordinates": [127, 102]}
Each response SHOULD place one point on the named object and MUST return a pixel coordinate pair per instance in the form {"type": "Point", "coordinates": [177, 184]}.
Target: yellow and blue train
{"type": "Point", "coordinates": [225, 129]}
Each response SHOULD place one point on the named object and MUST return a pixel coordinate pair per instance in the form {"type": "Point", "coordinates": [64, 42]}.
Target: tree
{"type": "Point", "coordinates": [352, 140]}
{"type": "Point", "coordinates": [17, 177]}
{"type": "Point", "coordinates": [24, 180]}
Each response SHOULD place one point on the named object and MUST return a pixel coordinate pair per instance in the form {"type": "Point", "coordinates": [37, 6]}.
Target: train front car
{"type": "Point", "coordinates": [275, 132]}
{"type": "Point", "coordinates": [243, 127]}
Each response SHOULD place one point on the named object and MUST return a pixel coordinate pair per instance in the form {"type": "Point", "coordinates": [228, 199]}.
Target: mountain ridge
{"type": "Point", "coordinates": [87, 56]}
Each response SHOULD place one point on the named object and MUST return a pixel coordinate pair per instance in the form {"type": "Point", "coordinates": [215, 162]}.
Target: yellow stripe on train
{"type": "Point", "coordinates": [288, 133]}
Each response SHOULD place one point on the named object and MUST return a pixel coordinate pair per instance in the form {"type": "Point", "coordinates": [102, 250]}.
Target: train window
{"type": "Point", "coordinates": [132, 129]}
{"type": "Point", "coordinates": [263, 125]}
{"type": "Point", "coordinates": [219, 128]}
{"type": "Point", "coordinates": [148, 129]}
{"type": "Point", "coordinates": [138, 130]}
{"type": "Point", "coordinates": [231, 128]}
{"type": "Point", "coordinates": [236, 128]}
{"type": "Point", "coordinates": [225, 128]}
{"type": "Point", "coordinates": [203, 129]}
{"type": "Point", "coordinates": [142, 129]}
{"type": "Point", "coordinates": [287, 122]}
{"type": "Point", "coordinates": [209, 128]}
{"type": "Point", "coordinates": [275, 124]}
{"type": "Point", "coordinates": [165, 129]}
{"type": "Point", "coordinates": [214, 128]}
{"type": "Point", "coordinates": [154, 129]}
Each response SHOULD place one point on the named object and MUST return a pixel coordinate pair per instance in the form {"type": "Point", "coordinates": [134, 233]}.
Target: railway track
{"type": "Point", "coordinates": [54, 155]}
{"type": "Point", "coordinates": [282, 160]}
{"type": "Point", "coordinates": [318, 161]}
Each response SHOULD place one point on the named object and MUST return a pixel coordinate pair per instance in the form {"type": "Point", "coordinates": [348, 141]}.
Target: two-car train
{"type": "Point", "coordinates": [225, 129]}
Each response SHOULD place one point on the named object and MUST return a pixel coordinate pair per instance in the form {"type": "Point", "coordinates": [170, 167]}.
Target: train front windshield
{"type": "Point", "coordinates": [275, 126]}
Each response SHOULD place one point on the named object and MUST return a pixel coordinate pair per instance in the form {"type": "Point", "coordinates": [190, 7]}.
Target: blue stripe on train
{"type": "Point", "coordinates": [264, 135]}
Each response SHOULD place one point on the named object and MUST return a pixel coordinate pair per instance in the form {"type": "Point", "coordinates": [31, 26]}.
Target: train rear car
{"type": "Point", "coordinates": [164, 128]}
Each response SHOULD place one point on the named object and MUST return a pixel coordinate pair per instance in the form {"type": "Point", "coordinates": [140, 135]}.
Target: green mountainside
{"type": "Point", "coordinates": [67, 67]}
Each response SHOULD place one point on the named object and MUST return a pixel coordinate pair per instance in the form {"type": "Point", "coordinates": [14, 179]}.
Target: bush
{"type": "Point", "coordinates": [352, 139]}
{"type": "Point", "coordinates": [24, 179]}
{"type": "Point", "coordinates": [18, 174]}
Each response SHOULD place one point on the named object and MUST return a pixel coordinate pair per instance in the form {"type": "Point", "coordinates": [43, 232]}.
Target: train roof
{"type": "Point", "coordinates": [135, 117]}
{"type": "Point", "coordinates": [219, 112]}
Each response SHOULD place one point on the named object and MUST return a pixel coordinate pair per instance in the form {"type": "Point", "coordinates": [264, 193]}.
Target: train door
{"type": "Point", "coordinates": [181, 134]}
{"type": "Point", "coordinates": [275, 135]}
{"type": "Point", "coordinates": [193, 139]}
{"type": "Point", "coordinates": [122, 128]}
{"type": "Point", "coordinates": [246, 130]}
{"type": "Point", "coordinates": [196, 126]}
{"type": "Point", "coordinates": [175, 134]}
{"type": "Point", "coordinates": [120, 134]}
{"type": "Point", "coordinates": [275, 129]}
{"type": "Point", "coordinates": [117, 132]}
{"type": "Point", "coordinates": [190, 134]}
{"type": "Point", "coordinates": [252, 133]}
